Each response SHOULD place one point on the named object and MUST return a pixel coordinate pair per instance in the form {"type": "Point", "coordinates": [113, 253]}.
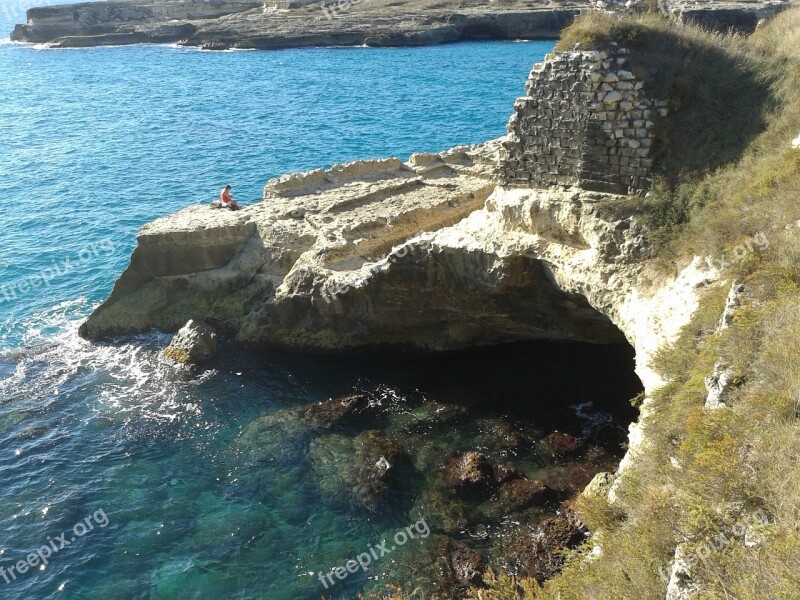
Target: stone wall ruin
{"type": "Point", "coordinates": [586, 121]}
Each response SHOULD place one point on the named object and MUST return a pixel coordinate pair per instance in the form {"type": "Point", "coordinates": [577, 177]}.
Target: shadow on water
{"type": "Point", "coordinates": [540, 381]}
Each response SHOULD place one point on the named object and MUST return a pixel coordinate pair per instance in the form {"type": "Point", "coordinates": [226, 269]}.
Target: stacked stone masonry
{"type": "Point", "coordinates": [586, 121]}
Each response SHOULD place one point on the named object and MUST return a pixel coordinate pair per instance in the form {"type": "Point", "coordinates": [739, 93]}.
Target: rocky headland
{"type": "Point", "coordinates": [272, 24]}
{"type": "Point", "coordinates": [538, 235]}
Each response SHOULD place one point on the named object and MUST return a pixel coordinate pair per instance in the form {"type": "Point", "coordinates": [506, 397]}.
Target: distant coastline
{"type": "Point", "coordinates": [255, 24]}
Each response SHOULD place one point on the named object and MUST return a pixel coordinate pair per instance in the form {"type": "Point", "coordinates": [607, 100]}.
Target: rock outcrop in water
{"type": "Point", "coordinates": [262, 24]}
{"type": "Point", "coordinates": [195, 343]}
{"type": "Point", "coordinates": [378, 252]}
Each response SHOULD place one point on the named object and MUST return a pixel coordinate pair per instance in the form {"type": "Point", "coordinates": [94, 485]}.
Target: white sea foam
{"type": "Point", "coordinates": [129, 380]}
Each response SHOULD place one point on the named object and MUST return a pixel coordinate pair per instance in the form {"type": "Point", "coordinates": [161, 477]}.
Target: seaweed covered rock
{"type": "Point", "coordinates": [331, 413]}
{"type": "Point", "coordinates": [519, 494]}
{"type": "Point", "coordinates": [562, 444]}
{"type": "Point", "coordinates": [466, 565]}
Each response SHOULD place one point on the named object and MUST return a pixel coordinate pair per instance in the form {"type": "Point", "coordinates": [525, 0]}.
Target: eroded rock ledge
{"type": "Point", "coordinates": [270, 24]}
{"type": "Point", "coordinates": [426, 253]}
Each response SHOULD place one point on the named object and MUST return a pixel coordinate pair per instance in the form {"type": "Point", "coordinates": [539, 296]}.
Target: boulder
{"type": "Point", "coordinates": [194, 344]}
{"type": "Point", "coordinates": [796, 142]}
{"type": "Point", "coordinates": [599, 486]}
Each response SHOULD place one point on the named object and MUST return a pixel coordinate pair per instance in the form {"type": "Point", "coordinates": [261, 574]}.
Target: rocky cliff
{"type": "Point", "coordinates": [433, 253]}
{"type": "Point", "coordinates": [221, 24]}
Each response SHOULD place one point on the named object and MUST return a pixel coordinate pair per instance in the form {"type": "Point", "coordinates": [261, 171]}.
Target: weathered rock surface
{"type": "Point", "coordinates": [718, 384]}
{"type": "Point", "coordinates": [194, 344]}
{"type": "Point", "coordinates": [599, 486]}
{"type": "Point", "coordinates": [374, 252]}
{"type": "Point", "coordinates": [433, 254]}
{"type": "Point", "coordinates": [223, 24]}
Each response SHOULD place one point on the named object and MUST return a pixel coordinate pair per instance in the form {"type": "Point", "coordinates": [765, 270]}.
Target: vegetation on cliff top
{"type": "Point", "coordinates": [703, 475]}
{"type": "Point", "coordinates": [727, 175]}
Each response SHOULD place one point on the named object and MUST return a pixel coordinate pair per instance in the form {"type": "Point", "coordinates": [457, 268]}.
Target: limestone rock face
{"type": "Point", "coordinates": [680, 585]}
{"type": "Point", "coordinates": [195, 343]}
{"type": "Point", "coordinates": [433, 253]}
{"type": "Point", "coordinates": [383, 252]}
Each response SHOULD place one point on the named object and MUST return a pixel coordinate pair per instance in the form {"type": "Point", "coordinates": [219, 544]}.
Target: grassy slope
{"type": "Point", "coordinates": [738, 461]}
{"type": "Point", "coordinates": [726, 175]}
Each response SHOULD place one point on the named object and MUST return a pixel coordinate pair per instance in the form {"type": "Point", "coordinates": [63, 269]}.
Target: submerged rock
{"type": "Point", "coordinates": [562, 444]}
{"type": "Point", "coordinates": [505, 472]}
{"type": "Point", "coordinates": [194, 344]}
{"type": "Point", "coordinates": [467, 566]}
{"type": "Point", "coordinates": [499, 436]}
{"type": "Point", "coordinates": [442, 511]}
{"type": "Point", "coordinates": [539, 551]}
{"type": "Point", "coordinates": [355, 470]}
{"type": "Point", "coordinates": [332, 412]}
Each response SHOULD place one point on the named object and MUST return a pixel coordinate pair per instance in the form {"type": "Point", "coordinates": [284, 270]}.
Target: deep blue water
{"type": "Point", "coordinates": [96, 143]}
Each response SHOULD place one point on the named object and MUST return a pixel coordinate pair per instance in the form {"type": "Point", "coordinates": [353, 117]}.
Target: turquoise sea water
{"type": "Point", "coordinates": [96, 143]}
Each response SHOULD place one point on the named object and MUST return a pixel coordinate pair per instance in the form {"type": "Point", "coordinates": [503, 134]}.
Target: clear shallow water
{"type": "Point", "coordinates": [96, 143]}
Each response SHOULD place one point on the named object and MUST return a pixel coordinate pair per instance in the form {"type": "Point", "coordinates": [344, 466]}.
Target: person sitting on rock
{"type": "Point", "coordinates": [225, 199]}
